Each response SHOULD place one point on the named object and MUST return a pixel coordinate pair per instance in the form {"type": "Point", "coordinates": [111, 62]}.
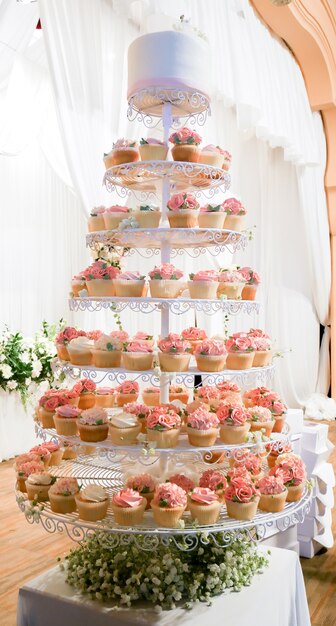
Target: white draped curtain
{"type": "Point", "coordinates": [63, 102]}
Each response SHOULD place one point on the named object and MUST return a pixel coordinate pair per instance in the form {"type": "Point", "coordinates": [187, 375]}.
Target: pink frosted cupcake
{"type": "Point", "coordinates": [203, 285]}
{"type": "Point", "coordinates": [138, 356]}
{"type": "Point", "coordinates": [163, 427]}
{"type": "Point", "coordinates": [214, 480]}
{"type": "Point", "coordinates": [164, 281]}
{"type": "Point", "coordinates": [128, 391]}
{"type": "Point", "coordinates": [182, 481]}
{"type": "Point", "coordinates": [241, 495]}
{"type": "Point", "coordinates": [252, 282]}
{"type": "Point", "coordinates": [66, 420]}
{"type": "Point", "coordinates": [92, 503]}
{"type": "Point", "coordinates": [204, 506]}
{"type": "Point", "coordinates": [48, 403]}
{"type": "Point", "coordinates": [151, 396]}
{"type": "Point", "coordinates": [122, 335]}
{"type": "Point", "coordinates": [128, 507]}
{"type": "Point", "coordinates": [143, 336]}
{"type": "Point", "coordinates": [208, 394]}
{"type": "Point", "coordinates": [252, 463]}
{"type": "Point", "coordinates": [131, 285]}
{"type": "Point", "coordinates": [210, 356]}
{"type": "Point", "coordinates": [152, 149]}
{"type": "Point", "coordinates": [277, 448]}
{"type": "Point", "coordinates": [183, 211]}
{"type": "Point", "coordinates": [25, 465]}
{"type": "Point", "coordinates": [38, 485]}
{"type": "Point", "coordinates": [178, 392]}
{"type": "Point", "coordinates": [144, 484]}
{"type": "Point", "coordinates": [202, 428]}
{"type": "Point", "coordinates": [194, 335]}
{"type": "Point", "coordinates": [234, 424]}
{"type": "Point", "coordinates": [263, 347]}
{"type": "Point", "coordinates": [77, 285]}
{"type": "Point", "coordinates": [43, 453]}
{"type": "Point", "coordinates": [211, 216]}
{"type": "Point", "coordinates": [228, 389]}
{"type": "Point", "coordinates": [291, 469]}
{"type": "Point", "coordinates": [261, 419]}
{"type": "Point", "coordinates": [123, 151]}
{"type": "Point", "coordinates": [56, 452]}
{"type": "Point", "coordinates": [141, 412]}
{"type": "Point", "coordinates": [273, 494]}
{"type": "Point", "coordinates": [96, 219]}
{"type": "Point", "coordinates": [86, 390]}
{"type": "Point", "coordinates": [254, 397]}
{"type": "Point", "coordinates": [212, 155]}
{"type": "Point", "coordinates": [93, 425]}
{"type": "Point", "coordinates": [105, 397]}
{"type": "Point", "coordinates": [168, 504]}
{"type": "Point", "coordinates": [272, 401]}
{"type": "Point", "coordinates": [62, 495]}
{"type": "Point", "coordinates": [240, 348]}
{"type": "Point", "coordinates": [235, 213]}
{"type": "Point", "coordinates": [175, 353]}
{"type": "Point", "coordinates": [231, 284]}
{"type": "Point", "coordinates": [69, 332]}
{"type": "Point", "coordinates": [185, 145]}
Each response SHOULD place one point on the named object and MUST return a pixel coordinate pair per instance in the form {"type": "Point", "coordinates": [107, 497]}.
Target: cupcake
{"type": "Point", "coordinates": [252, 282]}
{"type": "Point", "coordinates": [227, 158]}
{"type": "Point", "coordinates": [48, 403]}
{"type": "Point", "coordinates": [131, 285]}
{"type": "Point", "coordinates": [175, 353]}
{"type": "Point", "coordinates": [202, 428]}
{"type": "Point", "coordinates": [275, 449]}
{"type": "Point", "coordinates": [250, 462]}
{"type": "Point", "coordinates": [56, 452]}
{"type": "Point", "coordinates": [138, 356]}
{"type": "Point", "coordinates": [128, 507]}
{"type": "Point", "coordinates": [183, 211]}
{"type": "Point", "coordinates": [240, 352]}
{"type": "Point", "coordinates": [291, 469]}
{"type": "Point", "coordinates": [271, 400]}
{"type": "Point", "coordinates": [38, 485]}
{"type": "Point", "coordinates": [69, 450]}
{"type": "Point", "coordinates": [185, 145]}
{"type": "Point", "coordinates": [163, 427]}
{"type": "Point", "coordinates": [77, 285]}
{"type": "Point", "coordinates": [86, 389]}
{"type": "Point", "coordinates": [80, 351]}
{"type": "Point", "coordinates": [214, 480]}
{"type": "Point", "coordinates": [153, 149]}
{"type": "Point", "coordinates": [194, 335]}
{"type": "Point", "coordinates": [228, 389]}
{"type": "Point", "coordinates": [144, 484]}
{"type": "Point", "coordinates": [178, 392]}
{"type": "Point", "coordinates": [168, 504]}
{"type": "Point", "coordinates": [164, 281]}
{"type": "Point", "coordinates": [66, 420]}
{"type": "Point", "coordinates": [100, 279]}
{"type": "Point", "coordinates": [107, 351]}
{"type": "Point", "coordinates": [203, 285]}
{"type": "Point", "coordinates": [143, 336]}
{"type": "Point", "coordinates": [261, 419]}
{"type": "Point", "coordinates": [128, 391]}
{"type": "Point", "coordinates": [151, 396]}
{"type": "Point", "coordinates": [123, 151]}
{"type": "Point", "coordinates": [92, 503]}
{"type": "Point", "coordinates": [208, 394]}
{"type": "Point", "coordinates": [204, 506]}
{"type": "Point", "coordinates": [64, 337]}
{"type": "Point", "coordinates": [273, 494]}
{"type": "Point", "coordinates": [147, 215]}
{"type": "Point", "coordinates": [114, 215]}
{"type": "Point", "coordinates": [25, 465]}
{"type": "Point", "coordinates": [183, 481]}
{"type": "Point", "coordinates": [211, 216]}
{"type": "Point", "coordinates": [210, 356]}
{"type": "Point", "coordinates": [62, 495]}
{"type": "Point", "coordinates": [43, 454]}
{"type": "Point", "coordinates": [96, 219]}
{"type": "Point", "coordinates": [140, 411]}
{"type": "Point", "coordinates": [254, 397]}
{"type": "Point", "coordinates": [234, 424]}
{"type": "Point", "coordinates": [212, 155]}
{"type": "Point", "coordinates": [105, 397]}
{"type": "Point", "coordinates": [124, 429]}
{"type": "Point", "coordinates": [231, 284]}
{"type": "Point", "coordinates": [235, 212]}
{"type": "Point", "coordinates": [241, 496]}
{"type": "Point", "coordinates": [93, 425]}
{"type": "Point", "coordinates": [263, 347]}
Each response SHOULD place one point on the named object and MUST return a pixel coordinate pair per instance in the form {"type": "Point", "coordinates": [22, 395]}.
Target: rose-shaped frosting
{"type": "Point", "coordinates": [41, 451]}
{"type": "Point", "coordinates": [182, 481]}
{"type": "Point", "coordinates": [251, 276]}
{"type": "Point", "coordinates": [41, 478]}
{"type": "Point", "coordinates": [127, 498]}
{"type": "Point", "coordinates": [93, 493]}
{"type": "Point", "coordinates": [208, 276]}
{"type": "Point", "coordinates": [240, 344]}
{"type": "Point", "coordinates": [258, 332]}
{"type": "Point", "coordinates": [100, 270]}
{"type": "Point", "coordinates": [251, 463]}
{"type": "Point", "coordinates": [97, 210]}
{"type": "Point", "coordinates": [127, 387]}
{"type": "Point", "coordinates": [177, 389]}
{"type": "Point", "coordinates": [226, 386]}
{"type": "Point", "coordinates": [290, 468]}
{"type": "Point", "coordinates": [68, 410]}
{"type": "Point", "coordinates": [142, 336]}
{"type": "Point", "coordinates": [259, 392]}
{"type": "Point", "coordinates": [131, 276]}
{"type": "Point", "coordinates": [174, 345]}
{"type": "Point", "coordinates": [210, 348]}
{"type": "Point", "coordinates": [124, 143]}
{"type": "Point", "coordinates": [68, 333]}
{"type": "Point", "coordinates": [142, 483]}
{"type": "Point", "coordinates": [207, 392]}
{"type": "Point", "coordinates": [138, 346]}
{"type": "Point", "coordinates": [27, 457]}
{"type": "Point", "coordinates": [271, 485]}
{"type": "Point", "coordinates": [211, 208]}
{"type": "Point", "coordinates": [85, 386]}
{"type": "Point", "coordinates": [140, 410]}
{"type": "Point", "coordinates": [30, 467]}
{"type": "Point", "coordinates": [124, 420]}
{"type": "Point", "coordinates": [262, 343]}
{"type": "Point", "coordinates": [182, 201]}
{"type": "Point", "coordinates": [105, 391]}
{"type": "Point", "coordinates": [201, 419]}
{"type": "Point", "coordinates": [170, 495]}
{"type": "Point", "coordinates": [65, 487]}
{"type": "Point", "coordinates": [51, 446]}
{"type": "Point", "coordinates": [185, 135]}
{"type": "Point", "coordinates": [55, 397]}
{"type": "Point", "coordinates": [163, 419]}
{"type": "Point", "coordinates": [231, 276]}
{"type": "Point", "coordinates": [241, 489]}
{"type": "Point", "coordinates": [212, 479]}
{"type": "Point", "coordinates": [232, 415]}
{"type": "Point", "coordinates": [193, 334]}
{"type": "Point", "coordinates": [260, 414]}
{"type": "Point", "coordinates": [203, 495]}
{"type": "Point", "coordinates": [232, 206]}
{"type": "Point", "coordinates": [276, 407]}
{"type": "Point", "coordinates": [93, 417]}
{"type": "Point", "coordinates": [166, 271]}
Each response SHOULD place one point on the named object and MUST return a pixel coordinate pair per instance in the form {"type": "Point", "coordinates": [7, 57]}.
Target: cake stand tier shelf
{"type": "Point", "coordinates": [182, 176]}
{"type": "Point", "coordinates": [194, 241]}
{"type": "Point", "coordinates": [146, 104]}
{"type": "Point", "coordinates": [178, 306]}
{"type": "Point", "coordinates": [146, 455]}
{"type": "Point", "coordinates": [254, 377]}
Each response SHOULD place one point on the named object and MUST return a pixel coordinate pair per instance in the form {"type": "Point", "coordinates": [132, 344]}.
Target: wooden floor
{"type": "Point", "coordinates": [27, 550]}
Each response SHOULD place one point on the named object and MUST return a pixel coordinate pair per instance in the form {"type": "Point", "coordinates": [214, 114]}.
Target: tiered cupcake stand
{"type": "Point", "coordinates": [106, 464]}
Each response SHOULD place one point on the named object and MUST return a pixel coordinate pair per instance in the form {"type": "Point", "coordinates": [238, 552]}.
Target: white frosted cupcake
{"type": "Point", "coordinates": [96, 219]}
{"type": "Point", "coordinates": [92, 503]}
{"type": "Point", "coordinates": [80, 351]}
{"type": "Point", "coordinates": [124, 428]}
{"type": "Point", "coordinates": [131, 285]}
{"type": "Point", "coordinates": [153, 149]}
{"type": "Point", "coordinates": [38, 485]}
{"type": "Point", "coordinates": [147, 216]}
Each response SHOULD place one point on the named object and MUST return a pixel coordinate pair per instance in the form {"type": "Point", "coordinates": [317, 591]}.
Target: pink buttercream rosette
{"type": "Point", "coordinates": [142, 483]}
{"type": "Point", "coordinates": [182, 481]}
{"type": "Point", "coordinates": [208, 276]}
{"type": "Point", "coordinates": [290, 468]}
{"type": "Point", "coordinates": [184, 201]}
{"type": "Point", "coordinates": [240, 344]}
{"type": "Point", "coordinates": [169, 495]}
{"type": "Point", "coordinates": [193, 334]}
{"type": "Point", "coordinates": [213, 479]}
{"type": "Point", "coordinates": [127, 387]}
{"type": "Point", "coordinates": [185, 135]}
{"type": "Point", "coordinates": [232, 415]}
{"type": "Point", "coordinates": [162, 418]}
{"type": "Point", "coordinates": [232, 206]}
{"type": "Point", "coordinates": [138, 346]}
{"type": "Point", "coordinates": [203, 495]}
{"type": "Point", "coordinates": [173, 344]}
{"type": "Point", "coordinates": [271, 485]}
{"type": "Point", "coordinates": [93, 417]}
{"type": "Point", "coordinates": [165, 271]}
{"type": "Point", "coordinates": [210, 348]}
{"type": "Point", "coordinates": [127, 498]}
{"type": "Point", "coordinates": [201, 419]}
{"type": "Point", "coordinates": [65, 487]}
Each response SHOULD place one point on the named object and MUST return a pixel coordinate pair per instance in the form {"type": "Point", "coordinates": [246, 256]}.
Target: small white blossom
{"type": "Point", "coordinates": [6, 371]}
{"type": "Point", "coordinates": [12, 384]}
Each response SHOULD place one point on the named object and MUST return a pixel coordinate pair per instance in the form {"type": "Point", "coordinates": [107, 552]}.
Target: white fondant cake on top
{"type": "Point", "coordinates": [169, 59]}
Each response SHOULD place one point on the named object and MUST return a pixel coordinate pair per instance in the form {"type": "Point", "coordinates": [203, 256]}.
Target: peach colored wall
{"type": "Point", "coordinates": [309, 29]}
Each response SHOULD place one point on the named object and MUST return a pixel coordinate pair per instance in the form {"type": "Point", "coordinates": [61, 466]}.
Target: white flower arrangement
{"type": "Point", "coordinates": [129, 222]}
{"type": "Point", "coordinates": [163, 576]}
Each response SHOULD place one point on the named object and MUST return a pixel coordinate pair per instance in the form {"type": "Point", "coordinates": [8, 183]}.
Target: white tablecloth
{"type": "Point", "coordinates": [17, 429]}
{"type": "Point", "coordinates": [277, 597]}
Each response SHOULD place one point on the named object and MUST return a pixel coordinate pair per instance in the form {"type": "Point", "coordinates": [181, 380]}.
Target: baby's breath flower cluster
{"type": "Point", "coordinates": [164, 576]}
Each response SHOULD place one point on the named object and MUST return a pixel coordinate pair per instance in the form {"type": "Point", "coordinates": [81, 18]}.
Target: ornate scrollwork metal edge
{"type": "Point", "coordinates": [198, 101]}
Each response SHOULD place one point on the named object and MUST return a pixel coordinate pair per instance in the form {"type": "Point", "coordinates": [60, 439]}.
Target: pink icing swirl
{"type": "Point", "coordinates": [212, 479]}
{"type": "Point", "coordinates": [232, 415]}
{"type": "Point", "coordinates": [166, 271]}
{"type": "Point", "coordinates": [138, 346]}
{"type": "Point", "coordinates": [194, 334]}
{"type": "Point", "coordinates": [231, 276]}
{"type": "Point", "coordinates": [201, 419]}
{"type": "Point", "coordinates": [271, 485]}
{"type": "Point", "coordinates": [240, 344]}
{"type": "Point", "coordinates": [210, 348]}
{"type": "Point", "coordinates": [128, 386]}
{"type": "Point", "coordinates": [241, 489]}
{"type": "Point", "coordinates": [140, 410]}
{"type": "Point", "coordinates": [124, 143]}
{"type": "Point", "coordinates": [142, 483]}
{"type": "Point", "coordinates": [100, 270]}
{"type": "Point", "coordinates": [207, 393]}
{"type": "Point", "coordinates": [105, 391]}
{"type": "Point", "coordinates": [185, 135]}
{"type": "Point", "coordinates": [208, 276]}
{"type": "Point", "coordinates": [182, 481]}
{"type": "Point", "coordinates": [142, 336]}
{"type": "Point", "coordinates": [251, 276]}
{"type": "Point", "coordinates": [65, 487]}
{"type": "Point", "coordinates": [203, 495]}
{"type": "Point", "coordinates": [251, 463]}
{"type": "Point", "coordinates": [182, 201]}
{"type": "Point", "coordinates": [232, 206]}
{"type": "Point", "coordinates": [130, 276]}
{"type": "Point", "coordinates": [174, 345]}
{"type": "Point", "coordinates": [127, 498]}
{"type": "Point", "coordinates": [163, 419]}
{"type": "Point", "coordinates": [170, 495]}
{"type": "Point", "coordinates": [68, 410]}
{"type": "Point", "coordinates": [290, 468]}
{"type": "Point", "coordinates": [93, 417]}
{"type": "Point", "coordinates": [226, 386]}
{"type": "Point", "coordinates": [51, 446]}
